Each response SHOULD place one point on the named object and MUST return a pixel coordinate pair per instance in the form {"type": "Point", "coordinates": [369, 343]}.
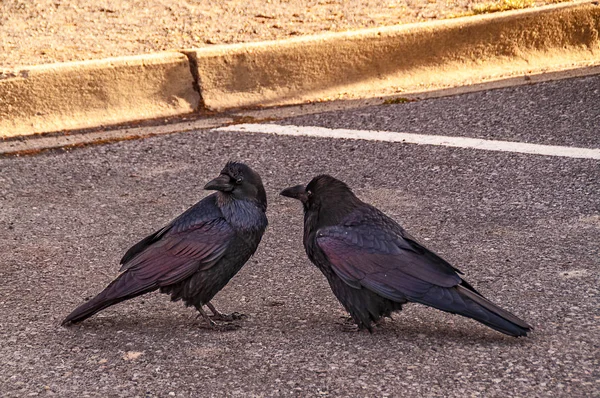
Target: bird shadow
{"type": "Point", "coordinates": [169, 326]}
{"type": "Point", "coordinates": [395, 328]}
{"type": "Point", "coordinates": [154, 325]}
{"type": "Point", "coordinates": [462, 333]}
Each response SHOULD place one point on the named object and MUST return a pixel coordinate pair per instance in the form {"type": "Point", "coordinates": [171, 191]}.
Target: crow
{"type": "Point", "coordinates": [196, 254]}
{"type": "Point", "coordinates": [374, 266]}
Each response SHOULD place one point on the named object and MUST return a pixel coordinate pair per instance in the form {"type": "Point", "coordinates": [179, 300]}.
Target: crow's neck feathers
{"type": "Point", "coordinates": [331, 200]}
{"type": "Point", "coordinates": [242, 214]}
{"type": "Point", "coordinates": [333, 210]}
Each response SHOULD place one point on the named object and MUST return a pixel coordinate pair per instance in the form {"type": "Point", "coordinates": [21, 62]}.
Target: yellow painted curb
{"type": "Point", "coordinates": [404, 58]}
{"type": "Point", "coordinates": [86, 94]}
{"type": "Point", "coordinates": [382, 61]}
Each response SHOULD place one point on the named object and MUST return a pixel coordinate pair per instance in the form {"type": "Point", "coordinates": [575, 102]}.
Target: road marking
{"type": "Point", "coordinates": [423, 139]}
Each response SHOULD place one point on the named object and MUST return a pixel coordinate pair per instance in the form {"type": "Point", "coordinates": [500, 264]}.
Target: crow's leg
{"type": "Point", "coordinates": [349, 325]}
{"type": "Point", "coordinates": [381, 321]}
{"type": "Point", "coordinates": [209, 322]}
{"type": "Point", "coordinates": [218, 316]}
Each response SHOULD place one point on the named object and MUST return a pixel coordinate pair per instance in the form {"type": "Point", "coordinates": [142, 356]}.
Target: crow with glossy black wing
{"type": "Point", "coordinates": [196, 254]}
{"type": "Point", "coordinates": [374, 266]}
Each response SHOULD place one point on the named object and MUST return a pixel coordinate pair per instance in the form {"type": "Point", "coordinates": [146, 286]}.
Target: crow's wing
{"type": "Point", "coordinates": [174, 256]}
{"type": "Point", "coordinates": [160, 260]}
{"type": "Point", "coordinates": [384, 261]}
{"type": "Point", "coordinates": [143, 244]}
{"type": "Point", "coordinates": [204, 211]}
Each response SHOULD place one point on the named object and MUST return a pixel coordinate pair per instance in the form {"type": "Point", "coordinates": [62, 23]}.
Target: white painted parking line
{"type": "Point", "coordinates": [423, 139]}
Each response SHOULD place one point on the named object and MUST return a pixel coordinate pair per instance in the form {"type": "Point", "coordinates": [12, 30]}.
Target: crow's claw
{"type": "Point", "coordinates": [218, 316]}
{"type": "Point", "coordinates": [234, 316]}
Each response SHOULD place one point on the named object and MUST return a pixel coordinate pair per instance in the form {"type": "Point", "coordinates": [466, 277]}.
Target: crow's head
{"type": "Point", "coordinates": [239, 181]}
{"type": "Point", "coordinates": [324, 191]}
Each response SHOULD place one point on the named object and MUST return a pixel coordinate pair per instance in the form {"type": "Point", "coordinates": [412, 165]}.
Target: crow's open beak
{"type": "Point", "coordinates": [221, 183]}
{"type": "Point", "coordinates": [297, 192]}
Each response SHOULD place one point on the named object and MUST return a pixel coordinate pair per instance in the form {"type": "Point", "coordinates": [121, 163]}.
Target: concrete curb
{"type": "Point", "coordinates": [407, 58]}
{"type": "Point", "coordinates": [358, 64]}
{"type": "Point", "coordinates": [79, 95]}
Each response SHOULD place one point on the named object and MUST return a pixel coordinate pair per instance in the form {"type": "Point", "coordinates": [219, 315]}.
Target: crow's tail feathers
{"type": "Point", "coordinates": [464, 301]}
{"type": "Point", "coordinates": [121, 289]}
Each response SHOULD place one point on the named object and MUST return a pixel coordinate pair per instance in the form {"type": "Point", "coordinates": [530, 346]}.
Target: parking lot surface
{"type": "Point", "coordinates": [523, 228]}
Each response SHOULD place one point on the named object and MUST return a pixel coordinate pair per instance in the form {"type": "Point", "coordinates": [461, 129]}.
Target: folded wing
{"type": "Point", "coordinates": [176, 256]}
{"type": "Point", "coordinates": [395, 266]}
{"type": "Point", "coordinates": [166, 257]}
{"type": "Point", "coordinates": [384, 261]}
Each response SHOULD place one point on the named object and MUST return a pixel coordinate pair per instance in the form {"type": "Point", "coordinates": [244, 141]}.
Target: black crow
{"type": "Point", "coordinates": [374, 266]}
{"type": "Point", "coordinates": [197, 253]}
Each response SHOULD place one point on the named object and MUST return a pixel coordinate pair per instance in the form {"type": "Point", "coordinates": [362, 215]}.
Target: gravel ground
{"type": "Point", "coordinates": [47, 31]}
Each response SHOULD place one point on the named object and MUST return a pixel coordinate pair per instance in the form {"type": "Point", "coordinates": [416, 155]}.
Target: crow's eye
{"type": "Point", "coordinates": [239, 180]}
{"type": "Point", "coordinates": [309, 193]}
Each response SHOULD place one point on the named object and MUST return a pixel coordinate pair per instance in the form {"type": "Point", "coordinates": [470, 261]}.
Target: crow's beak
{"type": "Point", "coordinates": [221, 183]}
{"type": "Point", "coordinates": [297, 192]}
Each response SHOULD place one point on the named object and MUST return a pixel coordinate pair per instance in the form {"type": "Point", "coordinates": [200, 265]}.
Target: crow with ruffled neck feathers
{"type": "Point", "coordinates": [194, 256]}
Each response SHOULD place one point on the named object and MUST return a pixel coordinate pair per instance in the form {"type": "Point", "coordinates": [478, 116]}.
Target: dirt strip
{"type": "Point", "coordinates": [49, 31]}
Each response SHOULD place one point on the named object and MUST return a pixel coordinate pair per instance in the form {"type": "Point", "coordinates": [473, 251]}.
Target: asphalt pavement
{"type": "Point", "coordinates": [523, 228]}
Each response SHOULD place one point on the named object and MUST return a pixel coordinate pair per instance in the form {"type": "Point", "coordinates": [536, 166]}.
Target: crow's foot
{"type": "Point", "coordinates": [219, 316]}
{"type": "Point", "coordinates": [227, 326]}
{"type": "Point", "coordinates": [348, 324]}
{"type": "Point", "coordinates": [208, 323]}
{"type": "Point", "coordinates": [234, 316]}
{"type": "Point", "coordinates": [218, 326]}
